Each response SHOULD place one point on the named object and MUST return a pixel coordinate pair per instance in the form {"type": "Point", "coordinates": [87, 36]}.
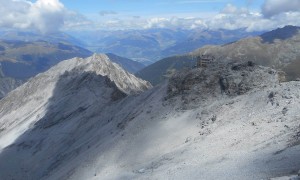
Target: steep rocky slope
{"type": "Point", "coordinates": [226, 121]}
{"type": "Point", "coordinates": [279, 49]}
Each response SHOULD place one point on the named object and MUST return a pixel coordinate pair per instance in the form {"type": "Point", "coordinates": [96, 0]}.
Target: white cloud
{"type": "Point", "coordinates": [147, 23]}
{"type": "Point", "coordinates": [275, 7]}
{"type": "Point", "coordinates": [230, 18]}
{"type": "Point", "coordinates": [274, 14]}
{"type": "Point", "coordinates": [47, 15]}
{"type": "Point", "coordinates": [231, 9]}
{"type": "Point", "coordinates": [107, 13]}
{"type": "Point", "coordinates": [51, 15]}
{"type": "Point", "coordinates": [233, 18]}
{"type": "Point", "coordinates": [74, 20]}
{"type": "Point", "coordinates": [173, 22]}
{"type": "Point", "coordinates": [198, 1]}
{"type": "Point", "coordinates": [250, 21]}
{"type": "Point", "coordinates": [42, 15]}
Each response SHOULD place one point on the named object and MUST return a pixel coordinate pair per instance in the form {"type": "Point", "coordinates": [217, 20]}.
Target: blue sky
{"type": "Point", "coordinates": [156, 7]}
{"type": "Point", "coordinates": [81, 15]}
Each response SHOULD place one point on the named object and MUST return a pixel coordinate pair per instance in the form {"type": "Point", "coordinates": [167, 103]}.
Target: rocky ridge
{"type": "Point", "coordinates": [274, 49]}
{"type": "Point", "coordinates": [227, 121]}
{"type": "Point", "coordinates": [87, 78]}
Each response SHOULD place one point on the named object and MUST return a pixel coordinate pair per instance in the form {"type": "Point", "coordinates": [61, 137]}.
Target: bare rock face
{"type": "Point", "coordinates": [231, 79]}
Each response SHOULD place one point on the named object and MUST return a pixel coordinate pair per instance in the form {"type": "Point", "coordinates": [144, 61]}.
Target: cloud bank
{"type": "Point", "coordinates": [273, 14]}
{"type": "Point", "coordinates": [49, 16]}
{"type": "Point", "coordinates": [107, 13]}
{"type": "Point", "coordinates": [275, 7]}
{"type": "Point", "coordinates": [230, 18]}
{"type": "Point", "coordinates": [45, 16]}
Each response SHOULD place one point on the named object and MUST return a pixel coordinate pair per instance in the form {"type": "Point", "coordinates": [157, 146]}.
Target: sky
{"type": "Point", "coordinates": [82, 15]}
{"type": "Point", "coordinates": [153, 7]}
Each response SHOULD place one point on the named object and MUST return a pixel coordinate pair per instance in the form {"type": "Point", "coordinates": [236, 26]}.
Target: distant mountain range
{"type": "Point", "coordinates": [22, 60]}
{"type": "Point", "coordinates": [148, 46]}
{"type": "Point", "coordinates": [29, 36]}
{"type": "Point", "coordinates": [279, 49]}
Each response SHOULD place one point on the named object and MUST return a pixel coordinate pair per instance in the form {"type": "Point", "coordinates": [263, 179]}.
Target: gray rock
{"type": "Point", "coordinates": [284, 110]}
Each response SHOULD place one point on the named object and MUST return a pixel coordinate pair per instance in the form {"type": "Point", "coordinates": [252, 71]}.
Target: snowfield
{"type": "Point", "coordinates": [228, 121]}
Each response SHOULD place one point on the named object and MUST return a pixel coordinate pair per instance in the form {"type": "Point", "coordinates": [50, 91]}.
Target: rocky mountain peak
{"type": "Point", "coordinates": [69, 88]}
{"type": "Point", "coordinates": [101, 65]}
{"type": "Point", "coordinates": [125, 81]}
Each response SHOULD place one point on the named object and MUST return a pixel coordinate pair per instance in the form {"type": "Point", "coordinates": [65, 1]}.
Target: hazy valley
{"type": "Point", "coordinates": [151, 45]}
